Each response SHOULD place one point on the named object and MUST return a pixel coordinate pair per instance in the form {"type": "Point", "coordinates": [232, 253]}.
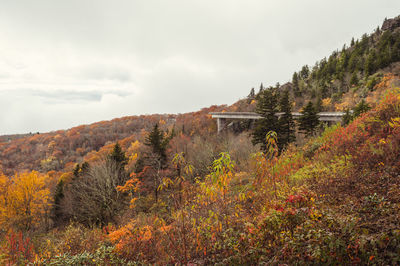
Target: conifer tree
{"type": "Point", "coordinates": [286, 122]}
{"type": "Point", "coordinates": [308, 122]}
{"type": "Point", "coordinates": [295, 79]}
{"type": "Point", "coordinates": [360, 108]}
{"type": "Point", "coordinates": [118, 156]}
{"type": "Point", "coordinates": [261, 89]}
{"type": "Point", "coordinates": [58, 197]}
{"type": "Point", "coordinates": [369, 67]}
{"type": "Point", "coordinates": [267, 105]}
{"type": "Point", "coordinates": [305, 71]}
{"type": "Point", "coordinates": [348, 116]}
{"type": "Point", "coordinates": [318, 104]}
{"type": "Point", "coordinates": [251, 95]}
{"type": "Point", "coordinates": [296, 85]}
{"type": "Point", "coordinates": [158, 142]}
{"type": "Point", "coordinates": [354, 79]}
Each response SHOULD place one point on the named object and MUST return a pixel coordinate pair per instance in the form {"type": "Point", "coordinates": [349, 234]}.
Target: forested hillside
{"type": "Point", "coordinates": [167, 189]}
{"type": "Point", "coordinates": [64, 148]}
{"type": "Point", "coordinates": [348, 75]}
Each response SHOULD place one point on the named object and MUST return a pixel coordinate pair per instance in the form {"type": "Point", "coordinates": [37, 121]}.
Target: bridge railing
{"type": "Point", "coordinates": [222, 116]}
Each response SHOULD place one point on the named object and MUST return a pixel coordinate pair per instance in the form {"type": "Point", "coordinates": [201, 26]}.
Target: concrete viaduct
{"type": "Point", "coordinates": [330, 117]}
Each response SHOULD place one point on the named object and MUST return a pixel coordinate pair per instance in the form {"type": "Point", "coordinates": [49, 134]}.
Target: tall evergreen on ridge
{"type": "Point", "coordinates": [118, 156]}
{"type": "Point", "coordinates": [158, 142]}
{"type": "Point", "coordinates": [251, 95]}
{"type": "Point", "coordinates": [58, 197]}
{"type": "Point", "coordinates": [295, 82]}
{"type": "Point", "coordinates": [360, 108]}
{"type": "Point", "coordinates": [267, 107]}
{"type": "Point", "coordinates": [308, 122]}
{"type": "Point", "coordinates": [286, 123]}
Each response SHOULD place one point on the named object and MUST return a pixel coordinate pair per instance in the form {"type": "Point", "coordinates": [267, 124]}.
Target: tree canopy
{"type": "Point", "coordinates": [308, 122]}
{"type": "Point", "coordinates": [267, 107]}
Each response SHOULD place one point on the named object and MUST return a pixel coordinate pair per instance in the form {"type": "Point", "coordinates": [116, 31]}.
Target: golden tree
{"type": "Point", "coordinates": [24, 201]}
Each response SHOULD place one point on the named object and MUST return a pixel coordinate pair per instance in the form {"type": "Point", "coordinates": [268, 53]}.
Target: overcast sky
{"type": "Point", "coordinates": [72, 62]}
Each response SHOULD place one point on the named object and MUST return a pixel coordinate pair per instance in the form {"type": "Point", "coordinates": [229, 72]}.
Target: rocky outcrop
{"type": "Point", "coordinates": [391, 24]}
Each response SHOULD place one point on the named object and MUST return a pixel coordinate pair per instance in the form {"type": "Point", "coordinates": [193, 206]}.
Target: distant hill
{"type": "Point", "coordinates": [64, 148]}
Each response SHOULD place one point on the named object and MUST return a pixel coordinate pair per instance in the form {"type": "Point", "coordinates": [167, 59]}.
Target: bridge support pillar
{"type": "Point", "coordinates": [221, 124]}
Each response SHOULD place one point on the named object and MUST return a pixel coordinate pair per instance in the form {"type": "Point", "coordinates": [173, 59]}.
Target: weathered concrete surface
{"type": "Point", "coordinates": [222, 116]}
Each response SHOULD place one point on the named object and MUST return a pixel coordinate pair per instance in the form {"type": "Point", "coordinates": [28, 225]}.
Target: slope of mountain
{"type": "Point", "coordinates": [351, 72]}
{"type": "Point", "coordinates": [55, 150]}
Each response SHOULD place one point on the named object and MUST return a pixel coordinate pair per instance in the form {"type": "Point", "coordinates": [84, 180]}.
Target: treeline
{"type": "Point", "coordinates": [270, 101]}
{"type": "Point", "coordinates": [350, 67]}
{"type": "Point", "coordinates": [61, 150]}
{"type": "Point", "coordinates": [330, 78]}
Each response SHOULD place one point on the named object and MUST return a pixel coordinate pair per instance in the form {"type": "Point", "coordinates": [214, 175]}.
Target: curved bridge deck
{"type": "Point", "coordinates": [223, 116]}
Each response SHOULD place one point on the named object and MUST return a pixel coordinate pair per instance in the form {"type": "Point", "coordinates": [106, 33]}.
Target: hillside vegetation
{"type": "Point", "coordinates": [64, 148]}
{"type": "Point", "coordinates": [166, 189]}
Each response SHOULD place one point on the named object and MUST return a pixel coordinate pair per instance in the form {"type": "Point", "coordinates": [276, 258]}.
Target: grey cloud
{"type": "Point", "coordinates": [77, 61]}
{"type": "Point", "coordinates": [105, 73]}
{"type": "Point", "coordinates": [64, 96]}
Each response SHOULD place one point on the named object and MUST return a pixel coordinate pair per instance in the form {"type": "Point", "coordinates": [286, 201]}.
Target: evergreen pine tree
{"type": "Point", "coordinates": [354, 79]}
{"type": "Point", "coordinates": [158, 143]}
{"type": "Point", "coordinates": [396, 50]}
{"type": "Point", "coordinates": [267, 108]}
{"type": "Point", "coordinates": [118, 156]}
{"type": "Point", "coordinates": [305, 71]}
{"type": "Point", "coordinates": [348, 116]}
{"type": "Point", "coordinates": [58, 197]}
{"type": "Point", "coordinates": [308, 122]}
{"type": "Point", "coordinates": [251, 95]}
{"type": "Point", "coordinates": [360, 108]}
{"type": "Point", "coordinates": [318, 104]}
{"type": "Point", "coordinates": [295, 82]}
{"type": "Point", "coordinates": [353, 63]}
{"type": "Point", "coordinates": [286, 123]}
{"type": "Point", "coordinates": [261, 88]}
{"type": "Point", "coordinates": [370, 63]}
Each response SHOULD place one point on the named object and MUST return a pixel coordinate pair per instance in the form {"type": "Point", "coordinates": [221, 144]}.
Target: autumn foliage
{"type": "Point", "coordinates": [24, 200]}
{"type": "Point", "coordinates": [333, 200]}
